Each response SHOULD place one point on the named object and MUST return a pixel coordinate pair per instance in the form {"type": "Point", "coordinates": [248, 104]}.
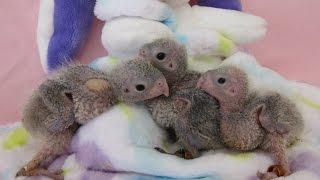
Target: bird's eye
{"type": "Point", "coordinates": [221, 80]}
{"type": "Point", "coordinates": [69, 96]}
{"type": "Point", "coordinates": [140, 87]}
{"type": "Point", "coordinates": [161, 56]}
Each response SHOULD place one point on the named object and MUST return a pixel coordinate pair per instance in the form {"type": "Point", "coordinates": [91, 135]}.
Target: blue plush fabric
{"type": "Point", "coordinates": [224, 4]}
{"type": "Point", "coordinates": [72, 23]}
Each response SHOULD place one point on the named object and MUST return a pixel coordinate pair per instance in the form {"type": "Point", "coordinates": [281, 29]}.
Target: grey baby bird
{"type": "Point", "coordinates": [77, 94]}
{"type": "Point", "coordinates": [250, 121]}
{"type": "Point", "coordinates": [196, 121]}
{"type": "Point", "coordinates": [170, 58]}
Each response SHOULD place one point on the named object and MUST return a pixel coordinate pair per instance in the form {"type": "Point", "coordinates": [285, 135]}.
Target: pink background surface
{"type": "Point", "coordinates": [291, 46]}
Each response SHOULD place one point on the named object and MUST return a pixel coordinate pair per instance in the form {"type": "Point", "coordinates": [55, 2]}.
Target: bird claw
{"type": "Point", "coordinates": [21, 172]}
{"type": "Point", "coordinates": [182, 153]}
{"type": "Point", "coordinates": [160, 150]}
{"type": "Point", "coordinates": [278, 170]}
{"type": "Point", "coordinates": [266, 176]}
{"type": "Point", "coordinates": [58, 175]}
{"type": "Point", "coordinates": [273, 171]}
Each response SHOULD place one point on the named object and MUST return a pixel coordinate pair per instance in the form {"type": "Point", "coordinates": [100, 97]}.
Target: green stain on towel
{"type": "Point", "coordinates": [16, 138]}
{"type": "Point", "coordinates": [113, 60]}
{"type": "Point", "coordinates": [66, 171]}
{"type": "Point", "coordinates": [165, 144]}
{"type": "Point", "coordinates": [126, 110]}
{"type": "Point", "coordinates": [202, 58]}
{"type": "Point", "coordinates": [307, 101]}
{"type": "Point", "coordinates": [242, 156]}
{"type": "Point", "coordinates": [225, 46]}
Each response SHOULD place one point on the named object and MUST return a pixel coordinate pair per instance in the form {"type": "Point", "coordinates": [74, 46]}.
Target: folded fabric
{"type": "Point", "coordinates": [63, 26]}
{"type": "Point", "coordinates": [149, 9]}
{"type": "Point", "coordinates": [204, 31]}
{"type": "Point", "coordinates": [123, 37]}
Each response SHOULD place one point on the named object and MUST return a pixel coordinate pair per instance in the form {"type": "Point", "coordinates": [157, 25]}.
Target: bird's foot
{"type": "Point", "coordinates": [182, 153]}
{"type": "Point", "coordinates": [161, 150]}
{"type": "Point", "coordinates": [185, 154]}
{"type": "Point", "coordinates": [58, 175]}
{"type": "Point", "coordinates": [274, 171]}
{"type": "Point", "coordinates": [266, 176]}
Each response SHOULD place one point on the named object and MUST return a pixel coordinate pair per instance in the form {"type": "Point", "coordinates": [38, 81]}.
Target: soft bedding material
{"type": "Point", "coordinates": [122, 139]}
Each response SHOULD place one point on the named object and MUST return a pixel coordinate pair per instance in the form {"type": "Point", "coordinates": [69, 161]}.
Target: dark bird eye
{"type": "Point", "coordinates": [161, 56]}
{"type": "Point", "coordinates": [69, 96]}
{"type": "Point", "coordinates": [140, 87]}
{"type": "Point", "coordinates": [221, 80]}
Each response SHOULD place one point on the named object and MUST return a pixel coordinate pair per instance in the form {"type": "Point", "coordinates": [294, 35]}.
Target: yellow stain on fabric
{"type": "Point", "coordinates": [66, 171]}
{"type": "Point", "coordinates": [113, 60]}
{"type": "Point", "coordinates": [307, 101]}
{"type": "Point", "coordinates": [202, 58]}
{"type": "Point", "coordinates": [126, 110]}
{"type": "Point", "coordinates": [165, 144]}
{"type": "Point", "coordinates": [16, 138]}
{"type": "Point", "coordinates": [225, 46]}
{"type": "Point", "coordinates": [241, 156]}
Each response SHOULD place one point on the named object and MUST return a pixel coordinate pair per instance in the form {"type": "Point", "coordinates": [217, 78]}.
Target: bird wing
{"type": "Point", "coordinates": [56, 124]}
{"type": "Point", "coordinates": [56, 95]}
{"type": "Point", "coordinates": [268, 122]}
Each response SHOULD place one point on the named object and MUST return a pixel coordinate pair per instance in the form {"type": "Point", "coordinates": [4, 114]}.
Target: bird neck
{"type": "Point", "coordinates": [174, 78]}
{"type": "Point", "coordinates": [231, 105]}
{"type": "Point", "coordinates": [116, 90]}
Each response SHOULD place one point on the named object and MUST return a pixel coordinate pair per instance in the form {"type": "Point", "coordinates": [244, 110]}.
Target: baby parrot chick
{"type": "Point", "coordinates": [250, 121]}
{"type": "Point", "coordinates": [76, 94]}
{"type": "Point", "coordinates": [170, 58]}
{"type": "Point", "coordinates": [194, 115]}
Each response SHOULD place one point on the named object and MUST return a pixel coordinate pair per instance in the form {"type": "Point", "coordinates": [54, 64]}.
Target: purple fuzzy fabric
{"type": "Point", "coordinates": [89, 155]}
{"type": "Point", "coordinates": [72, 23]}
{"type": "Point", "coordinates": [58, 163]}
{"type": "Point", "coordinates": [96, 175]}
{"type": "Point", "coordinates": [224, 4]}
{"type": "Point", "coordinates": [306, 161]}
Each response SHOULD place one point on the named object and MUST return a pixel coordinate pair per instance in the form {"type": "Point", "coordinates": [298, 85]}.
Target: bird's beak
{"type": "Point", "coordinates": [166, 91]}
{"type": "Point", "coordinates": [205, 83]}
{"type": "Point", "coordinates": [160, 87]}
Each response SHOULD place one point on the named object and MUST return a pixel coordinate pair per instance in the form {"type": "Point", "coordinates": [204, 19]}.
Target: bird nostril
{"type": "Point", "coordinates": [140, 87]}
{"type": "Point", "coordinates": [126, 90]}
{"type": "Point", "coordinates": [160, 84]}
{"type": "Point", "coordinates": [170, 65]}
